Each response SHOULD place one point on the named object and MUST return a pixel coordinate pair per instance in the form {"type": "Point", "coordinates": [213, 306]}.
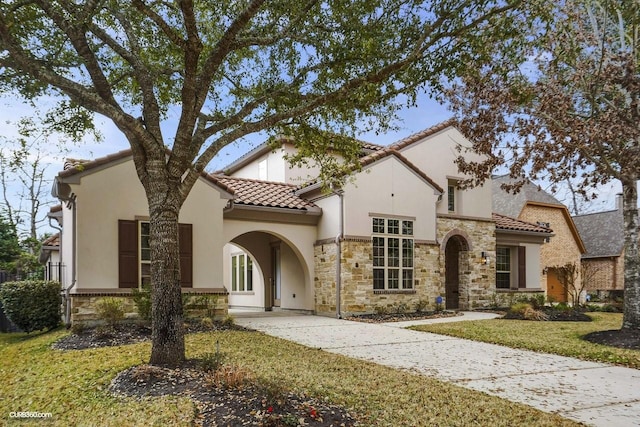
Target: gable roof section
{"type": "Point", "coordinates": [602, 233]}
{"type": "Point", "coordinates": [506, 223]}
{"type": "Point", "coordinates": [511, 205]}
{"type": "Point", "coordinates": [252, 192]}
{"type": "Point", "coordinates": [78, 167]}
{"type": "Point", "coordinates": [419, 136]}
{"type": "Point", "coordinates": [389, 151]}
{"type": "Point", "coordinates": [266, 147]}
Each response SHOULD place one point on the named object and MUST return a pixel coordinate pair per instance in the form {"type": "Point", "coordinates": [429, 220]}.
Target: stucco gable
{"type": "Point", "coordinates": [75, 169]}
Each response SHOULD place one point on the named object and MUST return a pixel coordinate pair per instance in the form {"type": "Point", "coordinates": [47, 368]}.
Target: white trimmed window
{"type": "Point", "coordinates": [144, 254]}
{"type": "Point", "coordinates": [241, 273]}
{"type": "Point", "coordinates": [392, 254]}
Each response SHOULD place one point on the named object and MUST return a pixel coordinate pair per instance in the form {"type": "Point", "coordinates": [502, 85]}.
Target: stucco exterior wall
{"type": "Point", "coordinates": [563, 248]}
{"type": "Point", "coordinates": [435, 155]}
{"type": "Point", "coordinates": [115, 193]}
{"type": "Point", "coordinates": [389, 188]}
{"type": "Point", "coordinates": [297, 257]}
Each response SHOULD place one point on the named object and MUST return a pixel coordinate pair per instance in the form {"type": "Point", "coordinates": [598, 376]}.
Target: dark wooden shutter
{"type": "Point", "coordinates": [127, 254]}
{"type": "Point", "coordinates": [522, 267]}
{"type": "Point", "coordinates": [185, 239]}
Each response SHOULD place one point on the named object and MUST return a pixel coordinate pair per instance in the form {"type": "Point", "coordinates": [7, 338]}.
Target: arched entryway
{"type": "Point", "coordinates": [456, 250]}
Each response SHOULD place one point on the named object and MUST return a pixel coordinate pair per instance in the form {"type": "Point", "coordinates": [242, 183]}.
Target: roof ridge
{"type": "Point", "coordinates": [408, 140]}
{"type": "Point", "coordinates": [261, 181]}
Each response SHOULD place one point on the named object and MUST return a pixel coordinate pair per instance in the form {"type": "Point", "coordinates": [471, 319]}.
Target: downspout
{"type": "Point", "coordinates": [338, 240]}
{"type": "Point", "coordinates": [62, 192]}
{"type": "Point", "coordinates": [67, 314]}
{"type": "Point", "coordinates": [60, 242]}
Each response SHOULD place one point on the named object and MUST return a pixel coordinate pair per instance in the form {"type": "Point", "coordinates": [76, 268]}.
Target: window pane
{"type": "Point", "coordinates": [234, 273]}
{"type": "Point", "coordinates": [144, 242]}
{"type": "Point", "coordinates": [407, 279]}
{"type": "Point", "coordinates": [144, 228]}
{"type": "Point", "coordinates": [393, 226]}
{"type": "Point", "coordinates": [249, 274]}
{"type": "Point", "coordinates": [378, 225]}
{"type": "Point", "coordinates": [378, 278]}
{"type": "Point", "coordinates": [451, 198]}
{"type": "Point", "coordinates": [394, 278]}
{"type": "Point", "coordinates": [145, 254]}
{"type": "Point", "coordinates": [503, 280]}
{"type": "Point", "coordinates": [393, 252]}
{"type": "Point", "coordinates": [378, 252]}
{"type": "Point", "coordinates": [407, 228]}
{"type": "Point", "coordinates": [241, 272]}
{"type": "Point", "coordinates": [407, 252]}
{"type": "Point", "coordinates": [503, 259]}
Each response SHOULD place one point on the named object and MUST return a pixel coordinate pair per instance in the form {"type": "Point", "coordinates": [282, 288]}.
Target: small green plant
{"type": "Point", "coordinates": [111, 310]}
{"type": "Point", "coordinates": [77, 328]}
{"type": "Point", "coordinates": [228, 321]}
{"type": "Point", "coordinates": [537, 301]}
{"type": "Point", "coordinates": [421, 305]}
{"type": "Point", "coordinates": [142, 301]}
{"type": "Point", "coordinates": [211, 362]}
{"type": "Point", "coordinates": [206, 323]}
{"type": "Point", "coordinates": [400, 308]}
{"type": "Point", "coordinates": [562, 306]}
{"type": "Point", "coordinates": [520, 308]}
{"type": "Point", "coordinates": [381, 309]}
{"type": "Point", "coordinates": [32, 305]}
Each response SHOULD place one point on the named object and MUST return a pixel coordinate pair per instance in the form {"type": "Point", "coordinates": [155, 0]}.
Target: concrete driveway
{"type": "Point", "coordinates": [593, 393]}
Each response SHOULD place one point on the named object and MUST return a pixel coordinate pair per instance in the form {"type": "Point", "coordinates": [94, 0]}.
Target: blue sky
{"type": "Point", "coordinates": [426, 113]}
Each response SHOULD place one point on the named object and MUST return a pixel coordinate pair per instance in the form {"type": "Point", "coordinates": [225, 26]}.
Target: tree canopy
{"type": "Point", "coordinates": [567, 108]}
{"type": "Point", "coordinates": [196, 76]}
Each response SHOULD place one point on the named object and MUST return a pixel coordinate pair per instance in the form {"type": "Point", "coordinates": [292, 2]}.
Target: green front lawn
{"type": "Point", "coordinates": [73, 385]}
{"type": "Point", "coordinates": [563, 338]}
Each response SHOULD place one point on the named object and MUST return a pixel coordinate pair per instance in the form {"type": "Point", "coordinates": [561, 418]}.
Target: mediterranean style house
{"type": "Point", "coordinates": [262, 235]}
{"type": "Point", "coordinates": [534, 205]}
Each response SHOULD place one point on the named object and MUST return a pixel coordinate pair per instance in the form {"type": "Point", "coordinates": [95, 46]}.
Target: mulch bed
{"type": "Point", "coordinates": [247, 405]}
{"type": "Point", "coordinates": [621, 338]}
{"type": "Point", "coordinates": [401, 317]}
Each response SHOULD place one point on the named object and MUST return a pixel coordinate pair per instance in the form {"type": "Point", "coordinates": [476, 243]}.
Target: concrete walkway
{"type": "Point", "coordinates": [593, 393]}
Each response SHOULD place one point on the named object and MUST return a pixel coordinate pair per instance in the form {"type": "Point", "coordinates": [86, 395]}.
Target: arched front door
{"type": "Point", "coordinates": [452, 273]}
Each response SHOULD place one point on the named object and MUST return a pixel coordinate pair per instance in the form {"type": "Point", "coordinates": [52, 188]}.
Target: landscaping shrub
{"type": "Point", "coordinates": [110, 310]}
{"type": "Point", "coordinates": [32, 305]}
{"type": "Point", "coordinates": [519, 308]}
{"type": "Point", "coordinates": [142, 300]}
{"type": "Point", "coordinates": [421, 305]}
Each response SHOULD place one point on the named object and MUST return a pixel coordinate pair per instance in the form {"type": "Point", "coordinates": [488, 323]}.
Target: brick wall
{"type": "Point", "coordinates": [563, 248]}
{"type": "Point", "coordinates": [608, 273]}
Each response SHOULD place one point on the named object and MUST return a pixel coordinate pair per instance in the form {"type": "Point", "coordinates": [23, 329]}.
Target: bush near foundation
{"type": "Point", "coordinates": [32, 305]}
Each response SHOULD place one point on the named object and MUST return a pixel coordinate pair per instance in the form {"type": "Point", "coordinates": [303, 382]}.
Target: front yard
{"type": "Point", "coordinates": [563, 338]}
{"type": "Point", "coordinates": [74, 385]}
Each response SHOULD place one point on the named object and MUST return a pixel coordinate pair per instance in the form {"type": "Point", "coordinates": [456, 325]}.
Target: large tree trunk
{"type": "Point", "coordinates": [631, 319]}
{"type": "Point", "coordinates": [167, 317]}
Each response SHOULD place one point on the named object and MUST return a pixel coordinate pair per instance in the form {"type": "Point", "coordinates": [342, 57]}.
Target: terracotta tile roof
{"type": "Point", "coordinates": [74, 166]}
{"type": "Point", "coordinates": [404, 142]}
{"type": "Point", "coordinates": [512, 224]}
{"type": "Point", "coordinates": [53, 240]}
{"type": "Point", "coordinates": [263, 193]}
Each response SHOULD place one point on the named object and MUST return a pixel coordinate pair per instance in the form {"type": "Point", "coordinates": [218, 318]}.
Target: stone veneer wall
{"type": "Point", "coordinates": [358, 295]}
{"type": "Point", "coordinates": [83, 306]}
{"type": "Point", "coordinates": [477, 280]}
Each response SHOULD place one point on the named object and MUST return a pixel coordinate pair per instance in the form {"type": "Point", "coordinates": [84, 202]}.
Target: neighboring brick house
{"type": "Point", "coordinates": [536, 206]}
{"type": "Point", "coordinates": [603, 236]}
